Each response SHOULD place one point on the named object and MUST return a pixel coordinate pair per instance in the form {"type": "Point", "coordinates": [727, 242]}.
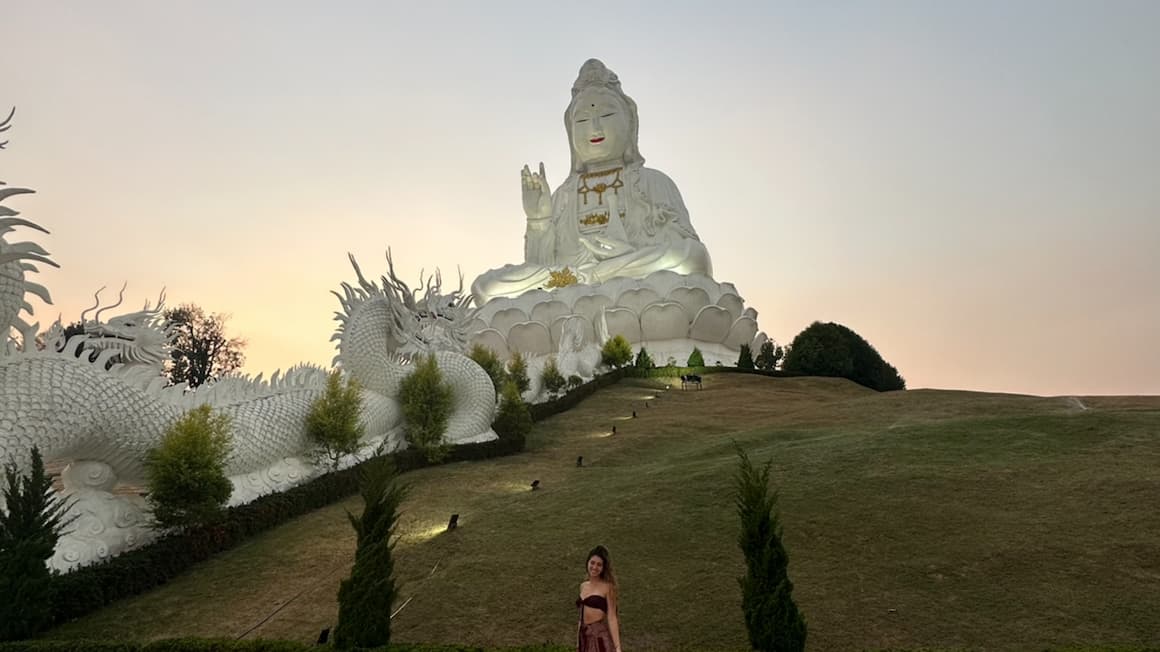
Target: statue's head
{"type": "Point", "coordinates": [601, 120]}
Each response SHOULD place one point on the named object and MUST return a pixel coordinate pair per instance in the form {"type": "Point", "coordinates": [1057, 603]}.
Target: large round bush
{"type": "Point", "coordinates": [831, 349]}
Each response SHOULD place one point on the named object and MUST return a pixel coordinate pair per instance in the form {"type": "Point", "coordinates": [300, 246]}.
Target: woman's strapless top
{"type": "Point", "coordinates": [594, 601]}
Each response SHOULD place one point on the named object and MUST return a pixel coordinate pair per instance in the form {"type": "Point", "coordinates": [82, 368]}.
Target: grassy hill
{"type": "Point", "coordinates": [912, 519]}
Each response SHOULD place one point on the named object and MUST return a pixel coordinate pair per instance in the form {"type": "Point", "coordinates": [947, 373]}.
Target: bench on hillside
{"type": "Point", "coordinates": [690, 379]}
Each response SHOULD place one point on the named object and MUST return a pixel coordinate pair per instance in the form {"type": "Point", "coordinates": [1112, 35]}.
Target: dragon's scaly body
{"type": "Point", "coordinates": [99, 401]}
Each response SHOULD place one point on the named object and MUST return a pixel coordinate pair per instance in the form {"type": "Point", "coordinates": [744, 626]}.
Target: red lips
{"type": "Point", "coordinates": [596, 140]}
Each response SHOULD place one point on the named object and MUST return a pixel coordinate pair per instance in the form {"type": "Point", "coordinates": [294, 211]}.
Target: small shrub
{"type": "Point", "coordinates": [486, 358]}
{"type": "Point", "coordinates": [30, 525]}
{"type": "Point", "coordinates": [771, 616]}
{"type": "Point", "coordinates": [518, 371]}
{"type": "Point", "coordinates": [574, 381]}
{"type": "Point", "coordinates": [551, 377]}
{"type": "Point", "coordinates": [333, 422]}
{"type": "Point", "coordinates": [513, 419]}
{"type": "Point", "coordinates": [643, 359]}
{"type": "Point", "coordinates": [696, 359]}
{"type": "Point", "coordinates": [186, 471]}
{"type": "Point", "coordinates": [426, 402]}
{"type": "Point", "coordinates": [365, 599]}
{"type": "Point", "coordinates": [616, 352]}
{"type": "Point", "coordinates": [745, 357]}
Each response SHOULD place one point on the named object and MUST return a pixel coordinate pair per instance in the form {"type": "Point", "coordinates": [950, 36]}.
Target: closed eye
{"type": "Point", "coordinates": [582, 120]}
{"type": "Point", "coordinates": [607, 115]}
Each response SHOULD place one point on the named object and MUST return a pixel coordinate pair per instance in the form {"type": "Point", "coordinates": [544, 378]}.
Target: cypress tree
{"type": "Point", "coordinates": [517, 370]}
{"type": "Point", "coordinates": [771, 616]}
{"type": "Point", "coordinates": [513, 419]}
{"type": "Point", "coordinates": [551, 379]}
{"type": "Point", "coordinates": [333, 423]}
{"type": "Point", "coordinates": [696, 359]}
{"type": "Point", "coordinates": [426, 402]}
{"type": "Point", "coordinates": [643, 359]}
{"type": "Point", "coordinates": [486, 358]}
{"type": "Point", "coordinates": [745, 357]}
{"type": "Point", "coordinates": [365, 599]}
{"type": "Point", "coordinates": [30, 525]}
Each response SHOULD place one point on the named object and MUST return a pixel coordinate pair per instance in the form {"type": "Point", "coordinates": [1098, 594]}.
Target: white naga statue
{"type": "Point", "coordinates": [612, 246]}
{"type": "Point", "coordinates": [612, 217]}
{"type": "Point", "coordinates": [98, 402]}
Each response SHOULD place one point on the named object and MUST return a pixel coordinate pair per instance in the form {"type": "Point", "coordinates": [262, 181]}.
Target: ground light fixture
{"type": "Point", "coordinates": [454, 522]}
{"type": "Point", "coordinates": [535, 484]}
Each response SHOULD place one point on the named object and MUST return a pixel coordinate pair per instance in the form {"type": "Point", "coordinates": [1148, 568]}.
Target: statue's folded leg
{"type": "Point", "coordinates": [687, 257]}
{"type": "Point", "coordinates": [509, 281]}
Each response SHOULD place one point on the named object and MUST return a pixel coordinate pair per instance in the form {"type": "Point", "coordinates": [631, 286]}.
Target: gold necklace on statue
{"type": "Point", "coordinates": [602, 187]}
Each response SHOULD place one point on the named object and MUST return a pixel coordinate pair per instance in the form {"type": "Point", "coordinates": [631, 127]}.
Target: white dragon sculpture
{"type": "Point", "coordinates": [98, 401]}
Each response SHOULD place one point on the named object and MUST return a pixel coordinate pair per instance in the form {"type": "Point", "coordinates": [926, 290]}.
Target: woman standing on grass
{"type": "Point", "coordinates": [599, 628]}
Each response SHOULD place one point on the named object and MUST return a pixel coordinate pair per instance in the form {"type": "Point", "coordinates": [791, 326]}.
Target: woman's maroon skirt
{"type": "Point", "coordinates": [595, 637]}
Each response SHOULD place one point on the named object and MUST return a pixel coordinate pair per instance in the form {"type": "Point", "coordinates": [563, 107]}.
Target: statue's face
{"type": "Point", "coordinates": [600, 127]}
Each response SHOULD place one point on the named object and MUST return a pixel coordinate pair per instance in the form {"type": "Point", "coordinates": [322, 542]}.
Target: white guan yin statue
{"type": "Point", "coordinates": [614, 246]}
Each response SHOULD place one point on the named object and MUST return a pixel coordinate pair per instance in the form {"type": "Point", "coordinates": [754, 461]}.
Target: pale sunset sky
{"type": "Point", "coordinates": [974, 187]}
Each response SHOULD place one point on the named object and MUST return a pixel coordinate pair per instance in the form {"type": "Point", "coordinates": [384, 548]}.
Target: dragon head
{"type": "Point", "coordinates": [143, 337]}
{"type": "Point", "coordinates": [417, 321]}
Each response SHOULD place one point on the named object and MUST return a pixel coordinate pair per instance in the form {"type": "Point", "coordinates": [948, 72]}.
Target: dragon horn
{"type": "Point", "coordinates": [120, 298]}
{"type": "Point", "coordinates": [97, 300]}
{"type": "Point", "coordinates": [358, 271]}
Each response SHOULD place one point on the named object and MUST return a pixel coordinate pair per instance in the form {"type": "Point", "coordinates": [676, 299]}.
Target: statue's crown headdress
{"type": "Point", "coordinates": [595, 73]}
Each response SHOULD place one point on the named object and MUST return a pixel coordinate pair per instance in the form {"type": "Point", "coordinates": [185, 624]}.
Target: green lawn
{"type": "Point", "coordinates": [912, 519]}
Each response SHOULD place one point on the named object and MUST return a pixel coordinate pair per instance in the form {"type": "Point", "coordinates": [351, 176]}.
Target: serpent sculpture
{"type": "Point", "coordinates": [98, 400]}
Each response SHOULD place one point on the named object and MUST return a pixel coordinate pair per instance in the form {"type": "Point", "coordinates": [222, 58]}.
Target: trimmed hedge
{"type": "Point", "coordinates": [541, 411]}
{"type": "Point", "coordinates": [228, 645]}
{"type": "Point", "coordinates": [89, 588]}
{"type": "Point", "coordinates": [677, 372]}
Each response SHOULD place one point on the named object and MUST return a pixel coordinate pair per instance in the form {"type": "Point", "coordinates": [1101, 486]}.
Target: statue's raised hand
{"type": "Point", "coordinates": [537, 194]}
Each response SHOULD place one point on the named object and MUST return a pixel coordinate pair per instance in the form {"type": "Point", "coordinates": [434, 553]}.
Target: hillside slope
{"type": "Point", "coordinates": [919, 518]}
